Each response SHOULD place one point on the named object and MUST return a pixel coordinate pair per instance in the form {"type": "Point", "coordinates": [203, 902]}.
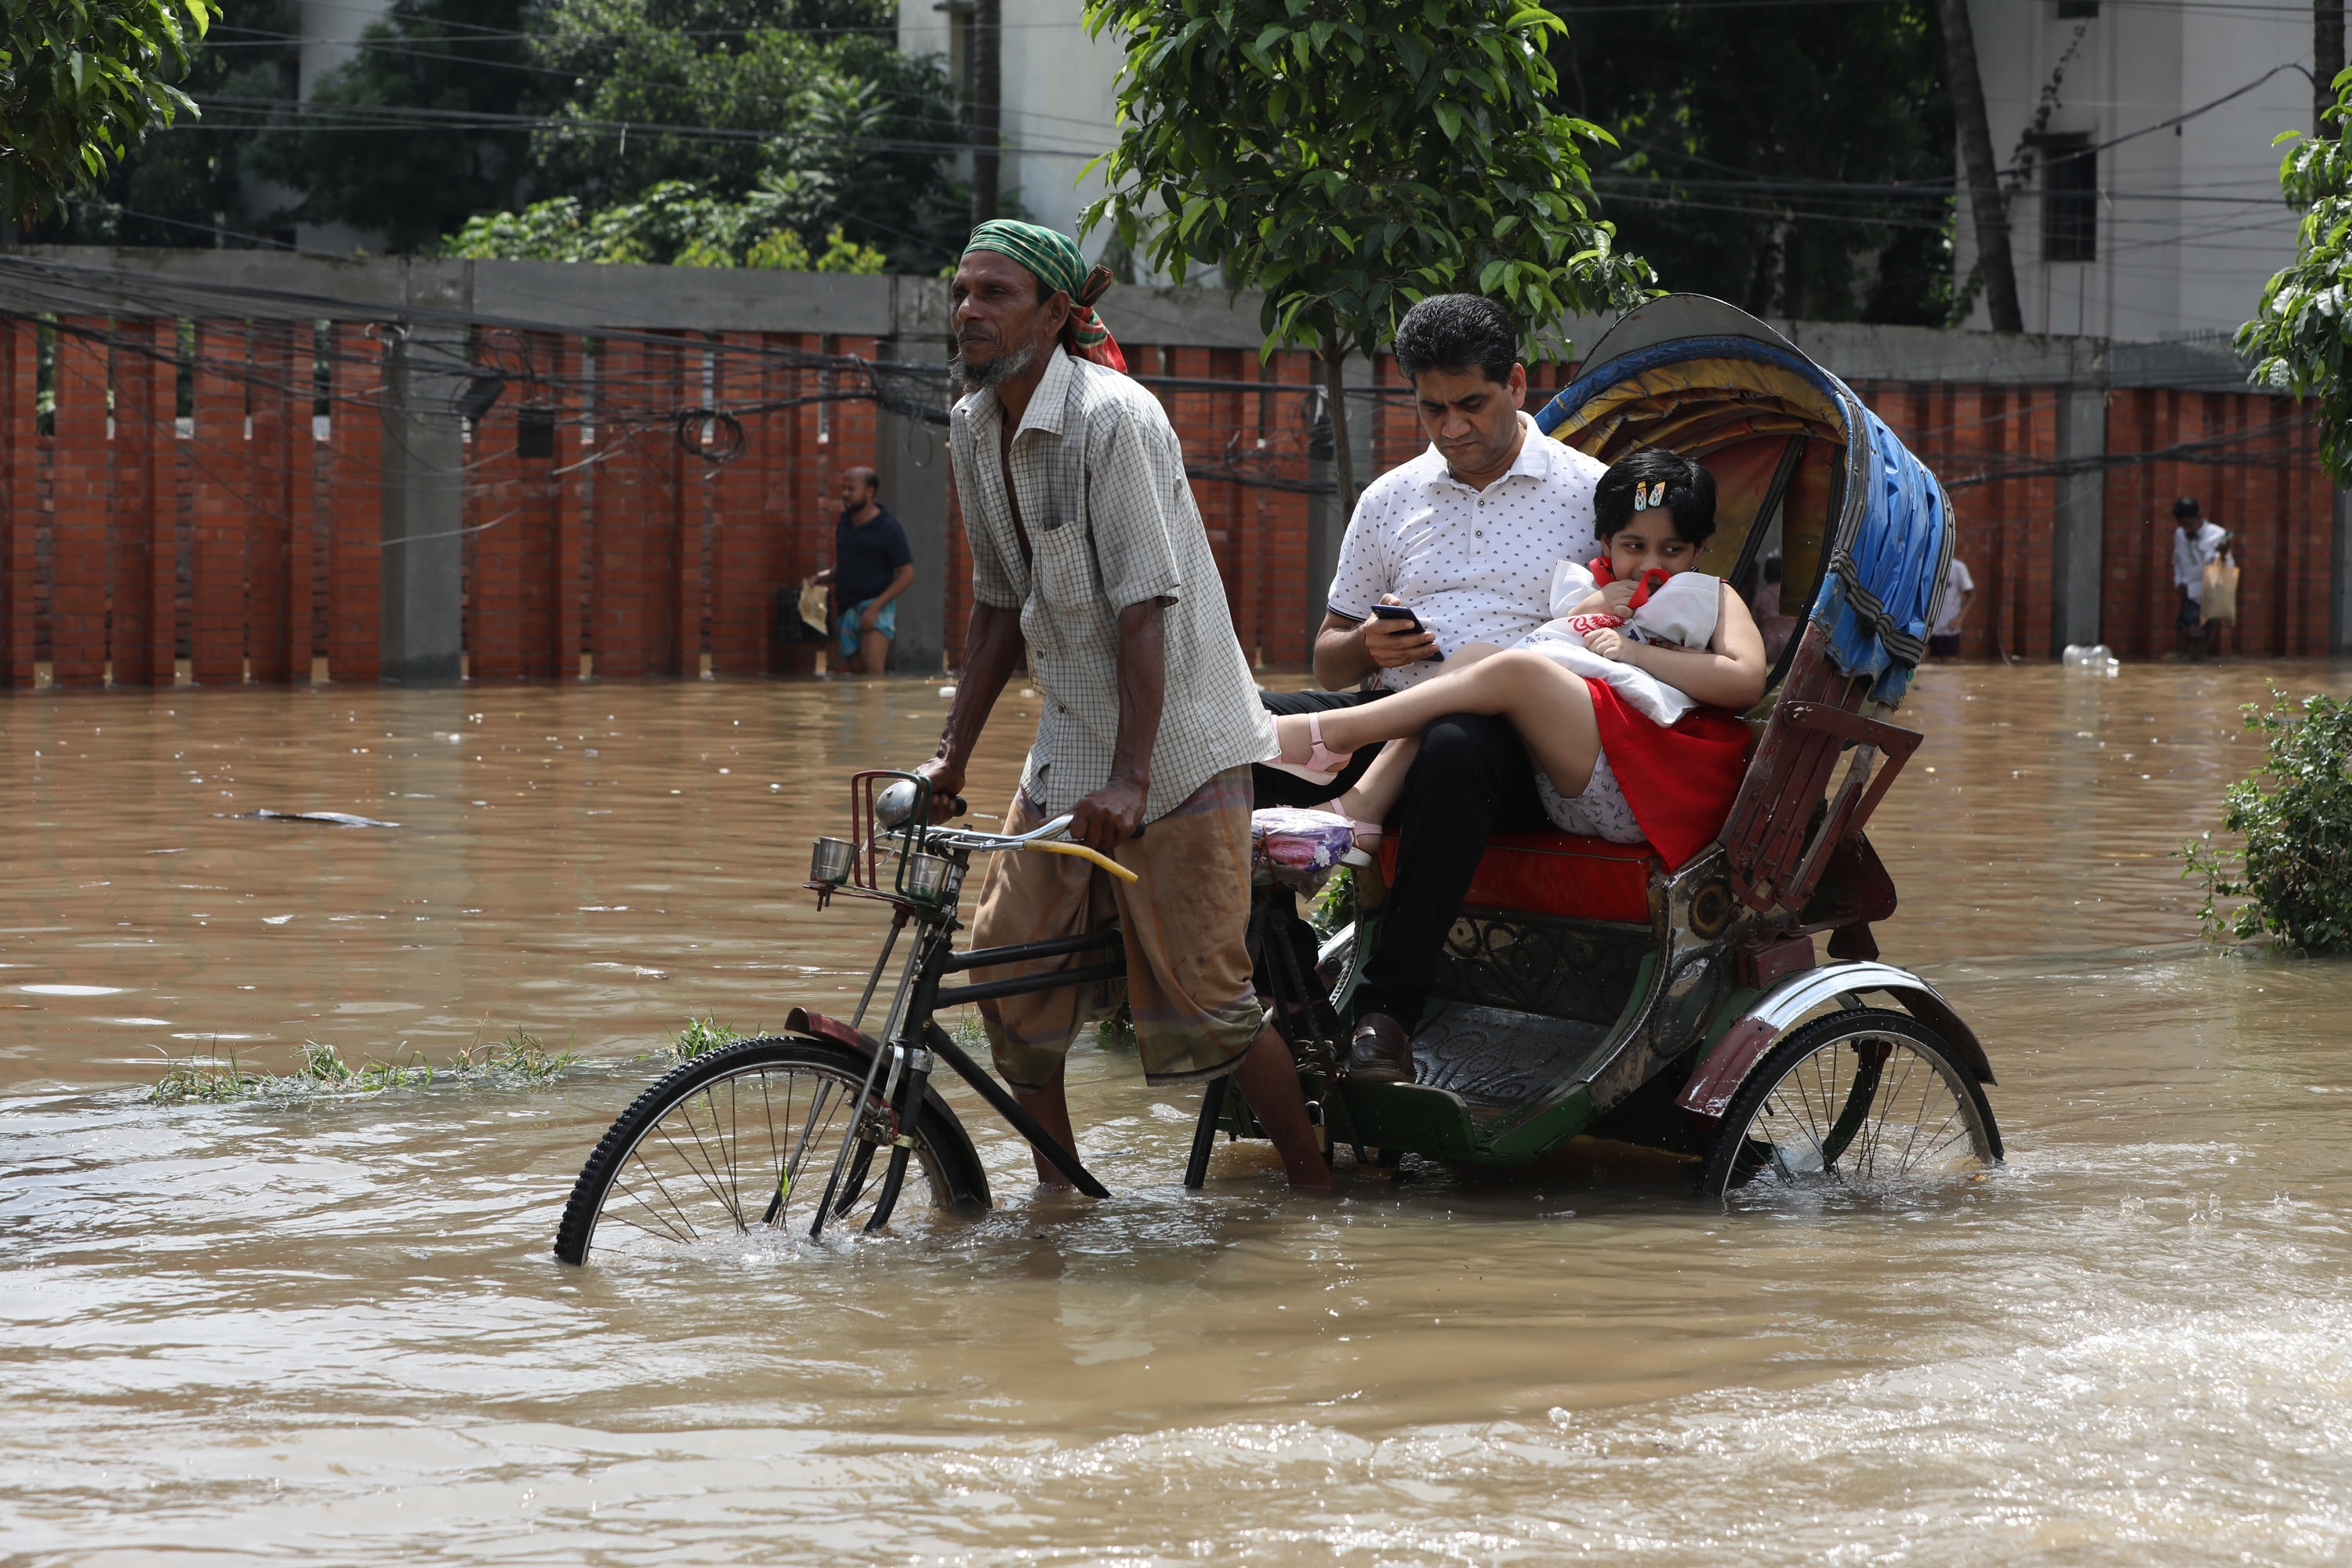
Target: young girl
{"type": "Point", "coordinates": [1629, 710]}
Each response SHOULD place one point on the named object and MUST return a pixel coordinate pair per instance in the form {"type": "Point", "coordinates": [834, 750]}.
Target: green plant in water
{"type": "Point", "coordinates": [205, 1078]}
{"type": "Point", "coordinates": [2295, 869]}
{"type": "Point", "coordinates": [703, 1035]}
{"type": "Point", "coordinates": [517, 1060]}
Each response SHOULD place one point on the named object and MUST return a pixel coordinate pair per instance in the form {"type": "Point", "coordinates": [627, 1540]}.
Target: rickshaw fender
{"type": "Point", "coordinates": [801, 1021]}
{"type": "Point", "coordinates": [1720, 1071]}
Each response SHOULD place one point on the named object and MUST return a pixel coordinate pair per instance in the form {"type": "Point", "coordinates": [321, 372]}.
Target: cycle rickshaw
{"type": "Point", "coordinates": [1588, 989]}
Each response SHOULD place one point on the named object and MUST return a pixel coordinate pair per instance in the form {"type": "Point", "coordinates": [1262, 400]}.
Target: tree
{"type": "Point", "coordinates": [1349, 159]}
{"type": "Point", "coordinates": [1987, 205]}
{"type": "Point", "coordinates": [674, 224]}
{"type": "Point", "coordinates": [861, 130]}
{"type": "Point", "coordinates": [2301, 336]}
{"type": "Point", "coordinates": [1793, 159]}
{"type": "Point", "coordinates": [188, 185]}
{"type": "Point", "coordinates": [81, 83]}
{"type": "Point", "coordinates": [410, 176]}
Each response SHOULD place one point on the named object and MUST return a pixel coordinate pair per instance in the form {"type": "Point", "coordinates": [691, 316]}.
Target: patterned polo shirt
{"type": "Point", "coordinates": [1475, 565]}
{"type": "Point", "coordinates": [1100, 478]}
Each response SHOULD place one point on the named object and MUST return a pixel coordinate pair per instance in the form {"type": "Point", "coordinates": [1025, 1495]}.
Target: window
{"type": "Point", "coordinates": [2070, 199]}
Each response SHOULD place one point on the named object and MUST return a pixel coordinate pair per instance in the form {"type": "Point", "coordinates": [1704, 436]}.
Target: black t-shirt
{"type": "Point", "coordinates": [865, 557]}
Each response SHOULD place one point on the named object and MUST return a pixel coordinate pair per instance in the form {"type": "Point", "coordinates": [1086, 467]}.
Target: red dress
{"type": "Point", "coordinates": [1678, 779]}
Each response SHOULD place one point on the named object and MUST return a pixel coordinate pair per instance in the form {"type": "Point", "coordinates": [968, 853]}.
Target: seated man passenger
{"type": "Point", "coordinates": [1628, 699]}
{"type": "Point", "coordinates": [1465, 534]}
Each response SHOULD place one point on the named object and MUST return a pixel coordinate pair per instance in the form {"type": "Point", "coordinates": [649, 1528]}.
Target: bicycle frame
{"type": "Point", "coordinates": [912, 1043]}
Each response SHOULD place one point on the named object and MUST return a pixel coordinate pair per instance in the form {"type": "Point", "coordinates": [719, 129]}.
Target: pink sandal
{"type": "Point", "coordinates": [1322, 764]}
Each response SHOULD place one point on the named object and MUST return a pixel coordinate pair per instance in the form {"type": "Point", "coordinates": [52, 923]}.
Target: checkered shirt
{"type": "Point", "coordinates": [1100, 478]}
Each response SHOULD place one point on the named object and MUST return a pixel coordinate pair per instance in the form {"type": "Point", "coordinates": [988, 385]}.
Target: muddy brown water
{"type": "Point", "coordinates": [332, 1331]}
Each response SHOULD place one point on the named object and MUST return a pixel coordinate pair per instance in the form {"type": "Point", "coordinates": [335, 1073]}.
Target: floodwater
{"type": "Point", "coordinates": [331, 1331]}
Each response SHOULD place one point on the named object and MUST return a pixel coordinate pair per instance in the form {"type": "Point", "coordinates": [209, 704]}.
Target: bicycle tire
{"type": "Point", "coordinates": [1816, 1108]}
{"type": "Point", "coordinates": [673, 1167]}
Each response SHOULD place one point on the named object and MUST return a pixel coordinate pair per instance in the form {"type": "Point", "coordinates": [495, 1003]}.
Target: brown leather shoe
{"type": "Point", "coordinates": [1379, 1052]}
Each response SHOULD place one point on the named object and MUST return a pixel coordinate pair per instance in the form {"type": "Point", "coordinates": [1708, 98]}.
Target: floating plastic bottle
{"type": "Point", "coordinates": [2091, 658]}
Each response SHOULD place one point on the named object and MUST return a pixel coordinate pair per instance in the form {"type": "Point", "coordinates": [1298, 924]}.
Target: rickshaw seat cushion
{"type": "Point", "coordinates": [1553, 873]}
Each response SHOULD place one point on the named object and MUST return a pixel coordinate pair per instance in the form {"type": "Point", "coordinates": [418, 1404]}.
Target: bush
{"type": "Point", "coordinates": [2294, 871]}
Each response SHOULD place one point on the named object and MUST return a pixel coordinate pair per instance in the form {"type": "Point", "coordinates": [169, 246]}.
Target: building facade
{"type": "Point", "coordinates": [2138, 144]}
{"type": "Point", "coordinates": [1059, 91]}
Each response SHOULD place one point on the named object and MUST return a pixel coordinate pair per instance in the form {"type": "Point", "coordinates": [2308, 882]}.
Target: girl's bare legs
{"type": "Point", "coordinates": [1375, 793]}
{"type": "Point", "coordinates": [1550, 706]}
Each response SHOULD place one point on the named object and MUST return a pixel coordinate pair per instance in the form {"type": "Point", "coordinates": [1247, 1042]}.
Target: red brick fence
{"type": "Point", "coordinates": [212, 498]}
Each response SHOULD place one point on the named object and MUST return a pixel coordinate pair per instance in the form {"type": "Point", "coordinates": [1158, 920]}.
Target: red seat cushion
{"type": "Point", "coordinates": [1556, 873]}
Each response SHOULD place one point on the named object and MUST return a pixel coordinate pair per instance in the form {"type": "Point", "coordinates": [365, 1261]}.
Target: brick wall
{"type": "Point", "coordinates": [247, 542]}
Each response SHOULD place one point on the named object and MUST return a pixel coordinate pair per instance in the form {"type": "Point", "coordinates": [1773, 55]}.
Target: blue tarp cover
{"type": "Point", "coordinates": [1873, 606]}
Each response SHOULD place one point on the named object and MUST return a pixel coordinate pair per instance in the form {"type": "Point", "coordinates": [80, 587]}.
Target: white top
{"type": "Point", "coordinates": [1475, 565]}
{"type": "Point", "coordinates": [2191, 556]}
{"type": "Point", "coordinates": [1957, 582]}
{"type": "Point", "coordinates": [1683, 612]}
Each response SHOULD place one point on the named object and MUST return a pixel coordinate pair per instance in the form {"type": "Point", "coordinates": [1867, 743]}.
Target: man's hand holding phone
{"type": "Point", "coordinates": [1394, 635]}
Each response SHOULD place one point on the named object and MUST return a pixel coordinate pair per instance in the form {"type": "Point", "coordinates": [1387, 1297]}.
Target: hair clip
{"type": "Point", "coordinates": [1645, 497]}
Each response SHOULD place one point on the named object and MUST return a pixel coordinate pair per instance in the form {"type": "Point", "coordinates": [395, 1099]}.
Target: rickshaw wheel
{"type": "Point", "coordinates": [744, 1138]}
{"type": "Point", "coordinates": [1867, 1098]}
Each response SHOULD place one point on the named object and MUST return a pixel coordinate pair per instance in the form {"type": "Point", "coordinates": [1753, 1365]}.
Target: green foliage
{"type": "Point", "coordinates": [184, 187]}
{"type": "Point", "coordinates": [674, 224]}
{"type": "Point", "coordinates": [519, 1060]}
{"type": "Point", "coordinates": [2294, 871]}
{"type": "Point", "coordinates": [1334, 908]}
{"type": "Point", "coordinates": [1759, 147]}
{"type": "Point", "coordinates": [1351, 159]}
{"type": "Point", "coordinates": [702, 1034]}
{"type": "Point", "coordinates": [81, 82]}
{"type": "Point", "coordinates": [816, 128]}
{"type": "Point", "coordinates": [2301, 336]}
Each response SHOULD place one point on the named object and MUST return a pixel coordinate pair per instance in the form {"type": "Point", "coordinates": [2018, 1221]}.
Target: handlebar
{"type": "Point", "coordinates": [1040, 839]}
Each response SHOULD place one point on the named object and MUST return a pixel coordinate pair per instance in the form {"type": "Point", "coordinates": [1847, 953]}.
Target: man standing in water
{"type": "Point", "coordinates": [2197, 543]}
{"type": "Point", "coordinates": [1088, 553]}
{"type": "Point", "coordinates": [872, 566]}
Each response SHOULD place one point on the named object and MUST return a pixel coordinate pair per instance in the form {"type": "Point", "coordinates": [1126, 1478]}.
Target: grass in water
{"type": "Point", "coordinates": [704, 1035]}
{"type": "Point", "coordinates": [519, 1060]}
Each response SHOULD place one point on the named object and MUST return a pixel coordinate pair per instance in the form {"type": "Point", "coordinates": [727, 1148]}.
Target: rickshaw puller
{"type": "Point", "coordinates": [1089, 552]}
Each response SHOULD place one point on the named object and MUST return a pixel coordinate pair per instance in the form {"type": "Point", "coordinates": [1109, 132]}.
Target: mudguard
{"type": "Point", "coordinates": [1711, 1087]}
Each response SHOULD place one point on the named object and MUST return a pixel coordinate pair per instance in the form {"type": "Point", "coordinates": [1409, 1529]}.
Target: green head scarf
{"type": "Point", "coordinates": [1052, 256]}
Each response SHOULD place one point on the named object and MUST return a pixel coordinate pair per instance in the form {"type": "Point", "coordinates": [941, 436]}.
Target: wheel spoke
{"type": "Point", "coordinates": [697, 1168]}
{"type": "Point", "coordinates": [1838, 1108]}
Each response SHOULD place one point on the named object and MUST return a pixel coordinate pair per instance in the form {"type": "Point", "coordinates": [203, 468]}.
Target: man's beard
{"type": "Point", "coordinates": [994, 372]}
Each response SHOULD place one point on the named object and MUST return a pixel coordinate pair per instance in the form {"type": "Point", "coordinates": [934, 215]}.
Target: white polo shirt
{"type": "Point", "coordinates": [1475, 565]}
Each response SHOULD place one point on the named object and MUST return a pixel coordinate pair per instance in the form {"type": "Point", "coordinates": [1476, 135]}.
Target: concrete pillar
{"type": "Point", "coordinates": [912, 464]}
{"type": "Point", "coordinates": [2339, 579]}
{"type": "Point", "coordinates": [2078, 525]}
{"type": "Point", "coordinates": [423, 506]}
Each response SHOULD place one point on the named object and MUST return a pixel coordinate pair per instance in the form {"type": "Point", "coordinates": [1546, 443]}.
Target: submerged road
{"type": "Point", "coordinates": [330, 1330]}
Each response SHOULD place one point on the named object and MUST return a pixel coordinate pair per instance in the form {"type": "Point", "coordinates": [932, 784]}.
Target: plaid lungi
{"type": "Point", "coordinates": [1186, 927]}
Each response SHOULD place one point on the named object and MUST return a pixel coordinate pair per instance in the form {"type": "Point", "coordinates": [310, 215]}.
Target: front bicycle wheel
{"type": "Point", "coordinates": [745, 1138]}
{"type": "Point", "coordinates": [1865, 1099]}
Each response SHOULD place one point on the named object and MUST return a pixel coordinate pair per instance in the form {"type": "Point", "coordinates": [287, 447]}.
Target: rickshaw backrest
{"type": "Point", "coordinates": [1862, 531]}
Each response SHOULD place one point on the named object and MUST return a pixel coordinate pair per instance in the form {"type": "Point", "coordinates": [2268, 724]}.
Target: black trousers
{"type": "Point", "coordinates": [1472, 780]}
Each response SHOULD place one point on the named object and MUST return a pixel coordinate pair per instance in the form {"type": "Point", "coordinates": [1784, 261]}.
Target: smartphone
{"type": "Point", "coordinates": [1399, 613]}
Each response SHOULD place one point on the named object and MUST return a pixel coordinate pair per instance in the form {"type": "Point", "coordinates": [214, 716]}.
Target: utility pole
{"type": "Point", "coordinates": [987, 105]}
{"type": "Point", "coordinates": [2327, 61]}
{"type": "Point", "coordinates": [1983, 175]}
